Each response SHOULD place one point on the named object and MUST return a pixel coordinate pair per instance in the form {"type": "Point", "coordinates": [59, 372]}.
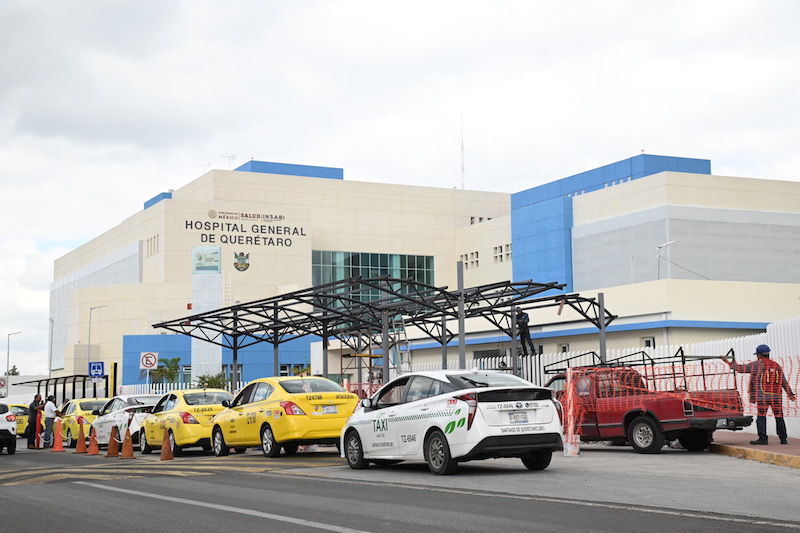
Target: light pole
{"type": "Point", "coordinates": [89, 351]}
{"type": "Point", "coordinates": [659, 249]}
{"type": "Point", "coordinates": [8, 362]}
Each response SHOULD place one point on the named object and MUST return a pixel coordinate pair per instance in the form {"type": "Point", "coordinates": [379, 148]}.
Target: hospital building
{"type": "Point", "coordinates": [680, 255]}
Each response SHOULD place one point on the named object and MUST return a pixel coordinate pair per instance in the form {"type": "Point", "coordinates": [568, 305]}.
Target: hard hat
{"type": "Point", "coordinates": [762, 349]}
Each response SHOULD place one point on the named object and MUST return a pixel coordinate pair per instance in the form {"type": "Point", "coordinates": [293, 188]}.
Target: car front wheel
{"type": "Point", "coordinates": [218, 443]}
{"type": "Point", "coordinates": [69, 442]}
{"type": "Point", "coordinates": [268, 444]}
{"type": "Point", "coordinates": [645, 436]}
{"type": "Point", "coordinates": [354, 451]}
{"type": "Point", "coordinates": [437, 454]}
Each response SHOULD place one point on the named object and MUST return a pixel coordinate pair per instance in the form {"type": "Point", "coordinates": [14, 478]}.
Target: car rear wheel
{"type": "Point", "coordinates": [437, 454]}
{"type": "Point", "coordinates": [645, 436]}
{"type": "Point", "coordinates": [176, 450]}
{"type": "Point", "coordinates": [537, 460]}
{"type": "Point", "coordinates": [696, 440]}
{"type": "Point", "coordinates": [218, 443]}
{"type": "Point", "coordinates": [269, 445]}
{"type": "Point", "coordinates": [354, 451]}
{"type": "Point", "coordinates": [11, 447]}
{"type": "Point", "coordinates": [144, 446]}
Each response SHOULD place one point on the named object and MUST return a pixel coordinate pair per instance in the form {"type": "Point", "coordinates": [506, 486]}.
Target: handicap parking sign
{"type": "Point", "coordinates": [96, 369]}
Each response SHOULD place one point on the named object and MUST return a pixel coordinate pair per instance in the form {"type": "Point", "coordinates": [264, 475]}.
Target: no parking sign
{"type": "Point", "coordinates": [148, 360]}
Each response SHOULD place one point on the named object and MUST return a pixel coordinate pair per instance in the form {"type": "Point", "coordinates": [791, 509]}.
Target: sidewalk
{"type": "Point", "coordinates": [737, 444]}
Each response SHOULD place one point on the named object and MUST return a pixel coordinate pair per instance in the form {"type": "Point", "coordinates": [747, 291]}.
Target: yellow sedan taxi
{"type": "Point", "coordinates": [21, 412]}
{"type": "Point", "coordinates": [283, 413]}
{"type": "Point", "coordinates": [77, 413]}
{"type": "Point", "coordinates": [186, 415]}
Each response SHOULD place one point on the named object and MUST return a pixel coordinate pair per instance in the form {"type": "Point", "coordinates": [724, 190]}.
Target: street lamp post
{"type": "Point", "coordinates": [8, 361]}
{"type": "Point", "coordinates": [89, 349]}
{"type": "Point", "coordinates": [659, 249]}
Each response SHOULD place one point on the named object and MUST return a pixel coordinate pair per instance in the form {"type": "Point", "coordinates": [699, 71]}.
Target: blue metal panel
{"type": "Point", "coordinates": [155, 199]}
{"type": "Point", "coordinates": [256, 360]}
{"type": "Point", "coordinates": [541, 217]}
{"type": "Point", "coordinates": [292, 170]}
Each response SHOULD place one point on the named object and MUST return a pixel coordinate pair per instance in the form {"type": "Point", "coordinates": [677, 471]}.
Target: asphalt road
{"type": "Point", "coordinates": [605, 489]}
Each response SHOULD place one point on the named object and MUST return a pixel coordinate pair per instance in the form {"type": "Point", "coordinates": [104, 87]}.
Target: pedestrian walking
{"type": "Point", "coordinates": [767, 384]}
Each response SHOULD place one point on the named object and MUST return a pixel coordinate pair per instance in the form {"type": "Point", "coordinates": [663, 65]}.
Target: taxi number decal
{"type": "Point", "coordinates": [408, 438]}
{"type": "Point", "coordinates": [311, 397]}
{"type": "Point", "coordinates": [250, 418]}
{"type": "Point", "coordinates": [202, 409]}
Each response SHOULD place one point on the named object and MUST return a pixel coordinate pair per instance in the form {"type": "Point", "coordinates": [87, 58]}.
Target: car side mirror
{"type": "Point", "coordinates": [96, 412]}
{"type": "Point", "coordinates": [226, 403]}
{"type": "Point", "coordinates": [366, 403]}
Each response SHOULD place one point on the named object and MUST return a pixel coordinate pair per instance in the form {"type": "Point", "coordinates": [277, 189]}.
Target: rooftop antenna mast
{"type": "Point", "coordinates": [462, 152]}
{"type": "Point", "coordinates": [231, 158]}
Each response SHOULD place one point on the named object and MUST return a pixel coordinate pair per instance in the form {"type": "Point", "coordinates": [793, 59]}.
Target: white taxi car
{"type": "Point", "coordinates": [445, 417]}
{"type": "Point", "coordinates": [124, 412]}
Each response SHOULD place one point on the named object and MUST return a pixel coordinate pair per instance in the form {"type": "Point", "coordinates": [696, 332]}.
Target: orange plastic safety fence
{"type": "Point", "coordinates": [708, 385]}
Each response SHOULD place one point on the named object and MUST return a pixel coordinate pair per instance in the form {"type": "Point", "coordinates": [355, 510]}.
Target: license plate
{"type": "Point", "coordinates": [518, 418]}
{"type": "Point", "coordinates": [329, 410]}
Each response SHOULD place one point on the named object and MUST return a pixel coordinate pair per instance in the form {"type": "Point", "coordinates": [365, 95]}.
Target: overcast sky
{"type": "Point", "coordinates": [105, 104]}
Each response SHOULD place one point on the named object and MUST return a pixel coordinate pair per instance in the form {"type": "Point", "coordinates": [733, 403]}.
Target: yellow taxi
{"type": "Point", "coordinates": [21, 412]}
{"type": "Point", "coordinates": [186, 415]}
{"type": "Point", "coordinates": [283, 413]}
{"type": "Point", "coordinates": [77, 413]}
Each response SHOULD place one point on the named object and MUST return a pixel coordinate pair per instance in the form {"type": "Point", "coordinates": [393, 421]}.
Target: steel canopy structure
{"type": "Point", "coordinates": [363, 312]}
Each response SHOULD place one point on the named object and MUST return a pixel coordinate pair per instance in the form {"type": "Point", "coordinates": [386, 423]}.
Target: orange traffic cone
{"type": "Point", "coordinates": [166, 448]}
{"type": "Point", "coordinates": [94, 449]}
{"type": "Point", "coordinates": [58, 443]}
{"type": "Point", "coordinates": [127, 446]}
{"type": "Point", "coordinates": [113, 447]}
{"type": "Point", "coordinates": [80, 447]}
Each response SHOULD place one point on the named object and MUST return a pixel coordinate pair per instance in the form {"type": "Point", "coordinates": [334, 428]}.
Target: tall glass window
{"type": "Point", "coordinates": [329, 266]}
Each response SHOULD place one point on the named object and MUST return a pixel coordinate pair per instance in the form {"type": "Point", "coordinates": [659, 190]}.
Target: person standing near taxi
{"type": "Point", "coordinates": [767, 383]}
{"type": "Point", "coordinates": [34, 410]}
{"type": "Point", "coordinates": [50, 413]}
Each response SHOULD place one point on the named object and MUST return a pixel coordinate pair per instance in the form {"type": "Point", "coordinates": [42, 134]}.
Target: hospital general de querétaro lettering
{"type": "Point", "coordinates": [215, 232]}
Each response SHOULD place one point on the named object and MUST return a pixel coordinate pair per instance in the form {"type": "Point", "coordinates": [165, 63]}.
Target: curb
{"type": "Point", "coordinates": [762, 456]}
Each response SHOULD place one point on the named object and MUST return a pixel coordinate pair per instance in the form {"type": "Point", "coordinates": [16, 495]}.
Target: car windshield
{"type": "Point", "coordinates": [91, 406]}
{"type": "Point", "coordinates": [297, 386]}
{"type": "Point", "coordinates": [207, 398]}
{"type": "Point", "coordinates": [486, 379]}
{"type": "Point", "coordinates": [143, 400]}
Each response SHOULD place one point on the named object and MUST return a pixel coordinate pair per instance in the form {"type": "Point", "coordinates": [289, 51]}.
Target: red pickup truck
{"type": "Point", "coordinates": [649, 403]}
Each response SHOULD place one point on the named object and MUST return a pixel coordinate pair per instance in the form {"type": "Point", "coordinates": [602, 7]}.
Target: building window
{"type": "Point", "coordinates": [295, 370]}
{"type": "Point", "coordinates": [649, 342]}
{"type": "Point", "coordinates": [563, 348]}
{"type": "Point", "coordinates": [332, 266]}
{"type": "Point", "coordinates": [151, 246]}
